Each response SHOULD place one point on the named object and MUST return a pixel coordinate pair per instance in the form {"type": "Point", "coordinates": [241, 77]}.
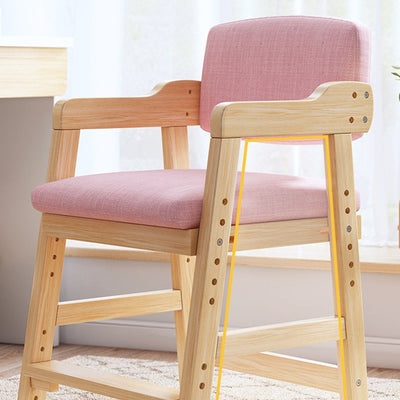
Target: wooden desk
{"type": "Point", "coordinates": [31, 74]}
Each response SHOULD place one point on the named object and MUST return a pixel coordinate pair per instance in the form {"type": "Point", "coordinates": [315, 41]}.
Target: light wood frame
{"type": "Point", "coordinates": [196, 295]}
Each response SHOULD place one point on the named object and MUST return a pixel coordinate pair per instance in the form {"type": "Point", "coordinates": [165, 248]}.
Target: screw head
{"type": "Point", "coordinates": [348, 228]}
{"type": "Point", "coordinates": [219, 242]}
{"type": "Point", "coordinates": [366, 95]}
{"type": "Point", "coordinates": [358, 382]}
{"type": "Point", "coordinates": [365, 119]}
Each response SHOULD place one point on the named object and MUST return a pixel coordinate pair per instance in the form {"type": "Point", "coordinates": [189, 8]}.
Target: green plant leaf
{"type": "Point", "coordinates": [396, 74]}
{"type": "Point", "coordinates": [395, 67]}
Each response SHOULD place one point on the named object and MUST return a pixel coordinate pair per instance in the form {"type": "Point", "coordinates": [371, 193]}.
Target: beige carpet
{"type": "Point", "coordinates": [235, 386]}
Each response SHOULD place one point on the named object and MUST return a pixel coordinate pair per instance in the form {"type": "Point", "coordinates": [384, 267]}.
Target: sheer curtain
{"type": "Point", "coordinates": [167, 41]}
{"type": "Point", "coordinates": [123, 48]}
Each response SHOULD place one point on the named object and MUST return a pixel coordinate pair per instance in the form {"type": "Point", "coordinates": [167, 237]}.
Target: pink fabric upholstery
{"type": "Point", "coordinates": [280, 58]}
{"type": "Point", "coordinates": [173, 198]}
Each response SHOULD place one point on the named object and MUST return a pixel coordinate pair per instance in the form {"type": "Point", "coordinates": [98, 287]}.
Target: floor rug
{"type": "Point", "coordinates": [235, 386]}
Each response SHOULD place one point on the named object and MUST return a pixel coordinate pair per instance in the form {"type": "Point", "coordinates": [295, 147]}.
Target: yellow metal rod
{"type": "Point", "coordinates": [334, 247]}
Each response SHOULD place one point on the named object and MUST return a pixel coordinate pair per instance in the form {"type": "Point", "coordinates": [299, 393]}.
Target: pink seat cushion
{"type": "Point", "coordinates": [280, 58]}
{"type": "Point", "coordinates": [173, 198]}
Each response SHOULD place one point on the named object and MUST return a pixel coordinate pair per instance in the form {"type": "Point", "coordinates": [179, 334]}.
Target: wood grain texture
{"type": "Point", "coordinates": [42, 309]}
{"type": "Point", "coordinates": [32, 72]}
{"type": "Point", "coordinates": [176, 156]}
{"type": "Point", "coordinates": [341, 162]}
{"type": "Point", "coordinates": [288, 369]}
{"type": "Point", "coordinates": [44, 386]}
{"type": "Point", "coordinates": [210, 269]}
{"type": "Point", "coordinates": [175, 147]}
{"type": "Point", "coordinates": [251, 236]}
{"type": "Point", "coordinates": [327, 110]}
{"type": "Point", "coordinates": [281, 233]}
{"type": "Point", "coordinates": [182, 273]}
{"type": "Point", "coordinates": [279, 336]}
{"type": "Point", "coordinates": [118, 387]}
{"type": "Point", "coordinates": [178, 241]}
{"type": "Point", "coordinates": [63, 155]}
{"type": "Point", "coordinates": [168, 104]}
{"type": "Point", "coordinates": [78, 311]}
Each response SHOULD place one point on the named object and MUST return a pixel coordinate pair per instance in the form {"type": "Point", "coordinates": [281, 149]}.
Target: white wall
{"type": "Point", "coordinates": [260, 296]}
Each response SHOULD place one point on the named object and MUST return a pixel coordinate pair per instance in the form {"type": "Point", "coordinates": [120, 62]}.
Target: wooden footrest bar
{"type": "Point", "coordinates": [45, 386]}
{"type": "Point", "coordinates": [280, 336]}
{"type": "Point", "coordinates": [75, 312]}
{"type": "Point", "coordinates": [118, 387]}
{"type": "Point", "coordinates": [288, 369]}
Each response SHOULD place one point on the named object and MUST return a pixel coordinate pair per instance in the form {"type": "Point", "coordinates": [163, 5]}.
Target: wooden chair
{"type": "Point", "coordinates": [261, 78]}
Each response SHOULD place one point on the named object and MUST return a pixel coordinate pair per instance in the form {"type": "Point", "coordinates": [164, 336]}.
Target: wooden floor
{"type": "Point", "coordinates": [11, 356]}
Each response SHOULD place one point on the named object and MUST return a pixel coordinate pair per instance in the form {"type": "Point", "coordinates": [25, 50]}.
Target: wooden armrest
{"type": "Point", "coordinates": [173, 103]}
{"type": "Point", "coordinates": [334, 107]}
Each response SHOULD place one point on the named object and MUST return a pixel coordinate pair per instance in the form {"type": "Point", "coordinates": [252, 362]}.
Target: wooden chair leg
{"type": "Point", "coordinates": [348, 268]}
{"type": "Point", "coordinates": [209, 276]}
{"type": "Point", "coordinates": [182, 271]}
{"type": "Point", "coordinates": [42, 311]}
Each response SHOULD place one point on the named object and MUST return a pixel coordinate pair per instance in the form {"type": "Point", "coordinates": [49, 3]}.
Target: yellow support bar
{"type": "Point", "coordinates": [333, 238]}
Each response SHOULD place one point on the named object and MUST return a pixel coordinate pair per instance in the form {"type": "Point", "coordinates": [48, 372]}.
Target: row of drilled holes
{"type": "Point", "coordinates": [44, 331]}
{"type": "Point", "coordinates": [214, 281]}
{"type": "Point", "coordinates": [349, 246]}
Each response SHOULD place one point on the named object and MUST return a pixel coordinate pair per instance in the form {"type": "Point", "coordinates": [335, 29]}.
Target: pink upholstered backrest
{"type": "Point", "coordinates": [280, 58]}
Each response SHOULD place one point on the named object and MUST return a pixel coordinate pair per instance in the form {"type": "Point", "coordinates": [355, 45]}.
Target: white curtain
{"type": "Point", "coordinates": [126, 47]}
{"type": "Point", "coordinates": [166, 40]}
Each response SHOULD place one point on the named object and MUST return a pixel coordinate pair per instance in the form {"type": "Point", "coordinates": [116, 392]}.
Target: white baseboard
{"type": "Point", "coordinates": [160, 336]}
{"type": "Point", "coordinates": [127, 334]}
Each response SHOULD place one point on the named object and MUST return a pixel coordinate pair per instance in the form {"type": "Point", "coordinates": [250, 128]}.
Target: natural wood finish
{"type": "Point", "coordinates": [146, 237]}
{"type": "Point", "coordinates": [251, 236]}
{"type": "Point", "coordinates": [32, 72]}
{"type": "Point", "coordinates": [173, 106]}
{"type": "Point", "coordinates": [78, 311]}
{"type": "Point", "coordinates": [176, 156]}
{"type": "Point", "coordinates": [42, 310]}
{"type": "Point", "coordinates": [327, 110]}
{"type": "Point", "coordinates": [182, 273]}
{"type": "Point", "coordinates": [118, 387]}
{"type": "Point", "coordinates": [48, 270]}
{"type": "Point", "coordinates": [288, 369]}
{"type": "Point", "coordinates": [281, 233]}
{"type": "Point", "coordinates": [341, 163]}
{"type": "Point", "coordinates": [45, 386]}
{"type": "Point", "coordinates": [279, 336]}
{"type": "Point", "coordinates": [174, 103]}
{"type": "Point", "coordinates": [175, 147]}
{"type": "Point", "coordinates": [213, 243]}
{"type": "Point", "coordinates": [63, 155]}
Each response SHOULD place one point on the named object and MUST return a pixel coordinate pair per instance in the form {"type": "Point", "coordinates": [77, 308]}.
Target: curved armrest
{"type": "Point", "coordinates": [173, 103]}
{"type": "Point", "coordinates": [334, 107]}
